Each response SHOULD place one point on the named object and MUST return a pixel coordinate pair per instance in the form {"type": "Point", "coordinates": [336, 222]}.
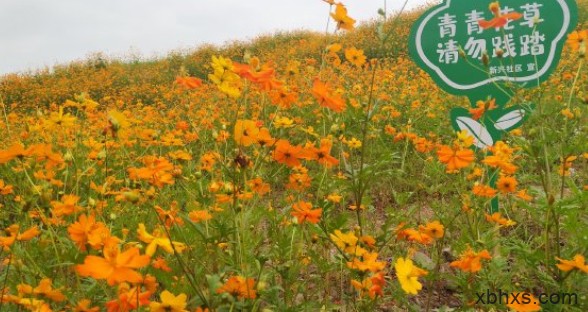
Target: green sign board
{"type": "Point", "coordinates": [480, 49]}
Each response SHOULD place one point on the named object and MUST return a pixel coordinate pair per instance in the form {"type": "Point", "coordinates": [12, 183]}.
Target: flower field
{"type": "Point", "coordinates": [296, 172]}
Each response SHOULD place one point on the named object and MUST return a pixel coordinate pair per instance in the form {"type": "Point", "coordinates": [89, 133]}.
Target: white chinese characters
{"type": "Point", "coordinates": [503, 44]}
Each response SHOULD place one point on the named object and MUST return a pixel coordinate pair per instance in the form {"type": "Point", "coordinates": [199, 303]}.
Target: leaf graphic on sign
{"type": "Point", "coordinates": [510, 120]}
{"type": "Point", "coordinates": [482, 137]}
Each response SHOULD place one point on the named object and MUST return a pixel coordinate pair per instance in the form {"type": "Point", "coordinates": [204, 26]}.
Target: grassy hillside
{"type": "Point", "coordinates": [137, 79]}
{"type": "Point", "coordinates": [295, 172]}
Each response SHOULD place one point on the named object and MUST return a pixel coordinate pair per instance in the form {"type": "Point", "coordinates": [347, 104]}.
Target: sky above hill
{"type": "Point", "coordinates": [39, 33]}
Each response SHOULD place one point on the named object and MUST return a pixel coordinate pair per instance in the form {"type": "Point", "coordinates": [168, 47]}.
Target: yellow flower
{"type": "Point", "coordinates": [221, 64]}
{"type": "Point", "coordinates": [224, 77]}
{"type": "Point", "coordinates": [567, 113]}
{"type": "Point", "coordinates": [464, 139]}
{"type": "Point", "coordinates": [158, 239]}
{"type": "Point", "coordinates": [61, 120]}
{"type": "Point", "coordinates": [408, 275]}
{"type": "Point", "coordinates": [334, 48]}
{"type": "Point", "coordinates": [283, 122]}
{"type": "Point", "coordinates": [355, 56]}
{"type": "Point", "coordinates": [334, 198]}
{"type": "Point", "coordinates": [353, 143]}
{"type": "Point", "coordinates": [117, 119]}
{"type": "Point", "coordinates": [169, 303]}
{"type": "Point", "coordinates": [345, 241]}
{"type": "Point", "coordinates": [343, 20]}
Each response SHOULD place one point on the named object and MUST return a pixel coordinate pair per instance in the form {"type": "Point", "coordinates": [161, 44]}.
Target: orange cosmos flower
{"type": "Point", "coordinates": [85, 306]}
{"type": "Point", "coordinates": [283, 97]}
{"type": "Point", "coordinates": [189, 82]}
{"type": "Point", "coordinates": [523, 302]}
{"type": "Point", "coordinates": [299, 180]}
{"type": "Point", "coordinates": [502, 162]}
{"type": "Point", "coordinates": [28, 234]}
{"type": "Point", "coordinates": [115, 266]}
{"type": "Point", "coordinates": [45, 289]}
{"type": "Point", "coordinates": [366, 261]}
{"type": "Point", "coordinates": [566, 165]}
{"type": "Point", "coordinates": [470, 261]}
{"type": "Point", "coordinates": [246, 132]}
{"type": "Point", "coordinates": [208, 160]}
{"type": "Point", "coordinates": [325, 98]}
{"type": "Point", "coordinates": [14, 151]}
{"type": "Point", "coordinates": [303, 212]}
{"type": "Point", "coordinates": [199, 215]}
{"type": "Point", "coordinates": [415, 236]}
{"type": "Point", "coordinates": [14, 235]}
{"type": "Point", "coordinates": [501, 158]}
{"type": "Point", "coordinates": [506, 184]}
{"type": "Point", "coordinates": [157, 171]}
{"type": "Point", "coordinates": [5, 189]}
{"type": "Point", "coordinates": [264, 138]}
{"type": "Point", "coordinates": [67, 205]}
{"type": "Point", "coordinates": [372, 286]}
{"type": "Point", "coordinates": [498, 219]}
{"type": "Point", "coordinates": [129, 299]}
{"type": "Point", "coordinates": [322, 154]}
{"type": "Point", "coordinates": [522, 194]}
{"type": "Point", "coordinates": [579, 263]}
{"type": "Point", "coordinates": [240, 287]}
{"type": "Point", "coordinates": [87, 231]}
{"type": "Point", "coordinates": [455, 158]}
{"type": "Point", "coordinates": [264, 76]}
{"type": "Point", "coordinates": [434, 229]}
{"type": "Point", "coordinates": [577, 40]}
{"type": "Point", "coordinates": [422, 145]}
{"type": "Point", "coordinates": [258, 186]}
{"type": "Point", "coordinates": [499, 20]}
{"type": "Point", "coordinates": [368, 240]}
{"type": "Point", "coordinates": [161, 264]}
{"type": "Point", "coordinates": [482, 107]}
{"type": "Point", "coordinates": [170, 217]}
{"type": "Point", "coordinates": [483, 190]}
{"type": "Point", "coordinates": [287, 154]}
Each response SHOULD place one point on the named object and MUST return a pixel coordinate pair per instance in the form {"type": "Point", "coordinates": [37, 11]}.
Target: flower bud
{"type": "Point", "coordinates": [485, 59]}
{"type": "Point", "coordinates": [499, 53]}
{"type": "Point", "coordinates": [462, 53]}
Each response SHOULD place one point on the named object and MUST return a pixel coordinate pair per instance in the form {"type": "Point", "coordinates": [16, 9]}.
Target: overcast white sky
{"type": "Point", "coordinates": [38, 33]}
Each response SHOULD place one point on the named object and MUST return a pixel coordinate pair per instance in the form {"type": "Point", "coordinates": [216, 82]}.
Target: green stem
{"type": "Point", "coordinates": [5, 283]}
{"type": "Point", "coordinates": [189, 273]}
